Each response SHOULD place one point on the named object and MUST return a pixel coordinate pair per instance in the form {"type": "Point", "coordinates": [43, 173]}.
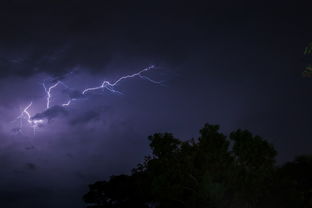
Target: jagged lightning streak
{"type": "Point", "coordinates": [110, 86]}
{"type": "Point", "coordinates": [48, 91]}
{"type": "Point", "coordinates": [32, 122]}
{"type": "Point", "coordinates": [68, 102]}
{"type": "Point", "coordinates": [105, 85]}
{"type": "Point", "coordinates": [25, 112]}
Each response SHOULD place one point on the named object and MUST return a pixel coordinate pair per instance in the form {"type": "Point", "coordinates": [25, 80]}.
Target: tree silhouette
{"type": "Point", "coordinates": [211, 171]}
{"type": "Point", "coordinates": [295, 182]}
{"type": "Point", "coordinates": [308, 53]}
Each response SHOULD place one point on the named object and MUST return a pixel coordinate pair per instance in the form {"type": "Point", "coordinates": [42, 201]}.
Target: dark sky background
{"type": "Point", "coordinates": [233, 63]}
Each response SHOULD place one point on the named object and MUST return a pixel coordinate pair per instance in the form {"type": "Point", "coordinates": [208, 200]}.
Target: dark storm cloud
{"type": "Point", "coordinates": [63, 76]}
{"type": "Point", "coordinates": [51, 113]}
{"type": "Point", "coordinates": [16, 130]}
{"type": "Point", "coordinates": [237, 65]}
{"type": "Point", "coordinates": [48, 59]}
{"type": "Point", "coordinates": [39, 37]}
{"type": "Point", "coordinates": [74, 94]}
{"type": "Point", "coordinates": [86, 117]}
{"type": "Point", "coordinates": [56, 37]}
{"type": "Point", "coordinates": [31, 147]}
{"type": "Point", "coordinates": [30, 166]}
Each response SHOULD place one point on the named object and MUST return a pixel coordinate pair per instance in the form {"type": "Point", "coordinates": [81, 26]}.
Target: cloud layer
{"type": "Point", "coordinates": [236, 64]}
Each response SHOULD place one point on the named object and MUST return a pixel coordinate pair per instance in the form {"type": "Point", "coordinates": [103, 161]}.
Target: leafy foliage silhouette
{"type": "Point", "coordinates": [212, 171]}
{"type": "Point", "coordinates": [308, 53]}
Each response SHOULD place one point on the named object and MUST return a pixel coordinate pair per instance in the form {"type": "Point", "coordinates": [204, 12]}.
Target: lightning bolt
{"type": "Point", "coordinates": [110, 86]}
{"type": "Point", "coordinates": [68, 102]}
{"type": "Point", "coordinates": [25, 112]}
{"type": "Point", "coordinates": [48, 91]}
{"type": "Point", "coordinates": [34, 123]}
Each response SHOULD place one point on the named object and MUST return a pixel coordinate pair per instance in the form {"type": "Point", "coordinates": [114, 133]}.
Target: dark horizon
{"type": "Point", "coordinates": [235, 64]}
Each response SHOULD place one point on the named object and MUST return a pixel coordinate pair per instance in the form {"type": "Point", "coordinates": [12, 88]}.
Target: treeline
{"type": "Point", "coordinates": [238, 171]}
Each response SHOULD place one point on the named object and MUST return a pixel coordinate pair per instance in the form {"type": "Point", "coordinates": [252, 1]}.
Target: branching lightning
{"type": "Point", "coordinates": [48, 91]}
{"type": "Point", "coordinates": [68, 102]}
{"type": "Point", "coordinates": [34, 123]}
{"type": "Point", "coordinates": [26, 113]}
{"type": "Point", "coordinates": [110, 86]}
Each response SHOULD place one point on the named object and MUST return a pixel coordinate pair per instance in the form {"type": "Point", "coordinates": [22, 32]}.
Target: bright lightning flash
{"type": "Point", "coordinates": [110, 86]}
{"type": "Point", "coordinates": [34, 123]}
{"type": "Point", "coordinates": [48, 91]}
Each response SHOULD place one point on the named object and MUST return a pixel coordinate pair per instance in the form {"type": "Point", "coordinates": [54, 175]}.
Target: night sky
{"type": "Point", "coordinates": [233, 63]}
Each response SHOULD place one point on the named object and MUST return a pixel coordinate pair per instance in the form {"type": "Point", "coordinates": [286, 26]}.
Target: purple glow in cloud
{"type": "Point", "coordinates": [32, 122]}
{"type": "Point", "coordinates": [48, 91]}
{"type": "Point", "coordinates": [54, 110]}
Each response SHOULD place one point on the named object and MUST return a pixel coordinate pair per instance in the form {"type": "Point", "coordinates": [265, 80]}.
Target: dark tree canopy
{"type": "Point", "coordinates": [211, 171]}
{"type": "Point", "coordinates": [308, 68]}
